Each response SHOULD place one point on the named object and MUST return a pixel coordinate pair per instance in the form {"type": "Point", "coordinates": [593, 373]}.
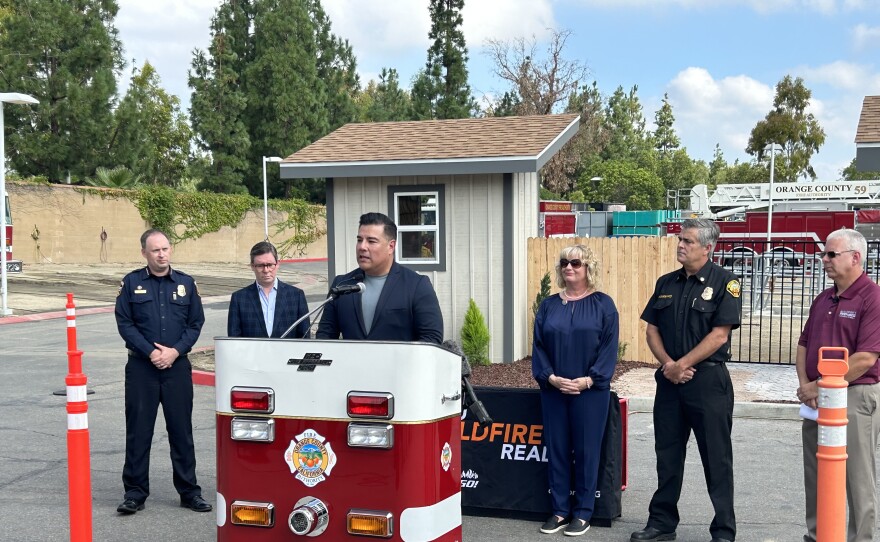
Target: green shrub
{"type": "Point", "coordinates": [543, 294]}
{"type": "Point", "coordinates": [475, 336]}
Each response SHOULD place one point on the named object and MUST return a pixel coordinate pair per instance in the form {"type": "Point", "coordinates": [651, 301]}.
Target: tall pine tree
{"type": "Point", "coordinates": [442, 90]}
{"type": "Point", "coordinates": [218, 99]}
{"type": "Point", "coordinates": [67, 55]}
{"type": "Point", "coordinates": [274, 80]}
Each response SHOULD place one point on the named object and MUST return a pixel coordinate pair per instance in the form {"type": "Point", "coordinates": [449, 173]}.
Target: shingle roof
{"type": "Point", "coordinates": [436, 139]}
{"type": "Point", "coordinates": [869, 121]}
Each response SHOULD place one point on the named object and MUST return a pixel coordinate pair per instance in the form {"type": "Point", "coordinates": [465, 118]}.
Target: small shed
{"type": "Point", "coordinates": [464, 195]}
{"type": "Point", "coordinates": [868, 136]}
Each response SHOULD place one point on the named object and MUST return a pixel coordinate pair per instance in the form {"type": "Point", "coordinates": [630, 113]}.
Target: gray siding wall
{"type": "Point", "coordinates": [475, 247]}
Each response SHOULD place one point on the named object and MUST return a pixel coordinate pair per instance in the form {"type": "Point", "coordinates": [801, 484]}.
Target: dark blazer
{"type": "Point", "coordinates": [246, 313]}
{"type": "Point", "coordinates": [407, 310]}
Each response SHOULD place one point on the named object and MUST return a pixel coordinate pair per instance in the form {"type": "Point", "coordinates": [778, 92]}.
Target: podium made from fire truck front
{"type": "Point", "coordinates": [336, 440]}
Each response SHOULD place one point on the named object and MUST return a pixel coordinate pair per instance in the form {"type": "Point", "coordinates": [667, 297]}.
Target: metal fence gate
{"type": "Point", "coordinates": [778, 287]}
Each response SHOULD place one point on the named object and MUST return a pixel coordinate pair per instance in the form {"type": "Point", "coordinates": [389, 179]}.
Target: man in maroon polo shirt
{"type": "Point", "coordinates": [847, 314]}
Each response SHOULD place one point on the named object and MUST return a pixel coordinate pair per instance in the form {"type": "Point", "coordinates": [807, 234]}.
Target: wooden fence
{"type": "Point", "coordinates": [628, 270]}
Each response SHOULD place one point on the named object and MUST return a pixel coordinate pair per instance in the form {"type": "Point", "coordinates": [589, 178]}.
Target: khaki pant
{"type": "Point", "coordinates": [863, 415]}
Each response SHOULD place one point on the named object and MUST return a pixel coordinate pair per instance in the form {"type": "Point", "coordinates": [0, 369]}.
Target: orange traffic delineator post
{"type": "Point", "coordinates": [831, 455]}
{"type": "Point", "coordinates": [79, 477]}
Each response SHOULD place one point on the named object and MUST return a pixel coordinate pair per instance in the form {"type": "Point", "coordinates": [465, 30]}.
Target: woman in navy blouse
{"type": "Point", "coordinates": [573, 360]}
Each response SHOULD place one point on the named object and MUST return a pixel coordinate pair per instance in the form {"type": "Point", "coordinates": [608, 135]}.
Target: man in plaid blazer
{"type": "Point", "coordinates": [267, 307]}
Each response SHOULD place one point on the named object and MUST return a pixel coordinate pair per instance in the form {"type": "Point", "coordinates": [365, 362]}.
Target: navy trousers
{"type": "Point", "coordinates": [573, 429]}
{"type": "Point", "coordinates": [145, 388]}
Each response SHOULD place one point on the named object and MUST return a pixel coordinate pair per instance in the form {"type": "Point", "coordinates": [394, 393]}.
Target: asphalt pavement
{"type": "Point", "coordinates": [33, 471]}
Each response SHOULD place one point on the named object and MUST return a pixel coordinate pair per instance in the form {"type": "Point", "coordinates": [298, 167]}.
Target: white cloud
{"type": "Point", "coordinates": [382, 31]}
{"type": "Point", "coordinates": [866, 37]}
{"type": "Point", "coordinates": [841, 75]}
{"type": "Point", "coordinates": [724, 111]}
{"type": "Point", "coordinates": [165, 32]}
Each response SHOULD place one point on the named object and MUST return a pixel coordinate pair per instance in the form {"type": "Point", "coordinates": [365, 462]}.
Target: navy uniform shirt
{"type": "Point", "coordinates": [165, 310]}
{"type": "Point", "coordinates": [685, 309]}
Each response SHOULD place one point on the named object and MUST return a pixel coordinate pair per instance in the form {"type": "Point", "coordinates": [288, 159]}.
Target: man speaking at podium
{"type": "Point", "coordinates": [396, 303]}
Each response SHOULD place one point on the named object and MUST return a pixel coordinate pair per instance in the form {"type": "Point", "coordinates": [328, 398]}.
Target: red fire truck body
{"type": "Point", "coordinates": [793, 236]}
{"type": "Point", "coordinates": [12, 265]}
{"type": "Point", "coordinates": [337, 440]}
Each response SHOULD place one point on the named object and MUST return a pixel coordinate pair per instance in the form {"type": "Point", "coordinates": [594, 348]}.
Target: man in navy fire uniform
{"type": "Point", "coordinates": [159, 315]}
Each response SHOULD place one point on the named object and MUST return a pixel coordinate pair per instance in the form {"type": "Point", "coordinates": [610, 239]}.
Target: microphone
{"type": "Point", "coordinates": [347, 289]}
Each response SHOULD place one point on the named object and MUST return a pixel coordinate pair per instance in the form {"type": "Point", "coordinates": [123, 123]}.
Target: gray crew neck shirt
{"type": "Point", "coordinates": [370, 298]}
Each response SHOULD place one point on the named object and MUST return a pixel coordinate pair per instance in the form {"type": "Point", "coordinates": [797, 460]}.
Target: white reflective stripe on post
{"type": "Point", "coordinates": [71, 323]}
{"type": "Point", "coordinates": [832, 397]}
{"type": "Point", "coordinates": [832, 436]}
{"type": "Point", "coordinates": [71, 312]}
{"type": "Point", "coordinates": [76, 394]}
{"type": "Point", "coordinates": [77, 421]}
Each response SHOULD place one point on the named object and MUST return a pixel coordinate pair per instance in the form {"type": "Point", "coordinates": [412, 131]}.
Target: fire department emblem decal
{"type": "Point", "coordinates": [446, 456]}
{"type": "Point", "coordinates": [310, 457]}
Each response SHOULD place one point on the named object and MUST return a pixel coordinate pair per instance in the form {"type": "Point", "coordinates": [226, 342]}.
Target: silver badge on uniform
{"type": "Point", "coordinates": [707, 293]}
{"type": "Point", "coordinates": [181, 290]}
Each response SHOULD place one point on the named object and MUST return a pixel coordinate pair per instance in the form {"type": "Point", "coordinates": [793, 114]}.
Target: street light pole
{"type": "Point", "coordinates": [772, 148]}
{"type": "Point", "coordinates": [13, 98]}
{"type": "Point", "coordinates": [266, 193]}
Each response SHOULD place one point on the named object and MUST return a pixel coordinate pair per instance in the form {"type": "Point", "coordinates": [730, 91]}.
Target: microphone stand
{"type": "Point", "coordinates": [330, 298]}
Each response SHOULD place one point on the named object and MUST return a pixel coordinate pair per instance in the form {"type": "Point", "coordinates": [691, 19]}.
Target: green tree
{"type": "Point", "coordinates": [678, 171]}
{"type": "Point", "coordinates": [625, 124]}
{"type": "Point", "coordinates": [665, 139]}
{"type": "Point", "coordinates": [506, 106]}
{"type": "Point", "coordinates": [475, 336]}
{"type": "Point", "coordinates": [625, 182]}
{"type": "Point", "coordinates": [337, 69]}
{"type": "Point", "coordinates": [850, 173]}
{"type": "Point", "coordinates": [386, 101]}
{"type": "Point", "coordinates": [790, 125]}
{"type": "Point", "coordinates": [67, 55]}
{"type": "Point", "coordinates": [717, 167]}
{"type": "Point", "coordinates": [151, 135]}
{"type": "Point", "coordinates": [444, 84]}
{"type": "Point", "coordinates": [219, 102]}
{"type": "Point", "coordinates": [286, 99]}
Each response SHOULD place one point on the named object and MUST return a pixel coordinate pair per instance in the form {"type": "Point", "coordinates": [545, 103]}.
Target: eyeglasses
{"type": "Point", "coordinates": [265, 266]}
{"type": "Point", "coordinates": [575, 264]}
{"type": "Point", "coordinates": [832, 254]}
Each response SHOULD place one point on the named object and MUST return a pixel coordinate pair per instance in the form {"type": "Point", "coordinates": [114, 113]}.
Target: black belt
{"type": "Point", "coordinates": [707, 363]}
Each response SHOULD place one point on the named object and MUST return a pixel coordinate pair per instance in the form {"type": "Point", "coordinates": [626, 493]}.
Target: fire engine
{"type": "Point", "coordinates": [803, 215]}
{"type": "Point", "coordinates": [337, 440]}
{"type": "Point", "coordinates": [12, 265]}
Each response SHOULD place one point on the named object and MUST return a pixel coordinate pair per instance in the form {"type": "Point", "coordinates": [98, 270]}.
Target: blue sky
{"type": "Point", "coordinates": [719, 60]}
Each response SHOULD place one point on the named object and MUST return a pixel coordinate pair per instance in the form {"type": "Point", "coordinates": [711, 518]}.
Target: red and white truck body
{"type": "Point", "coordinates": [337, 440]}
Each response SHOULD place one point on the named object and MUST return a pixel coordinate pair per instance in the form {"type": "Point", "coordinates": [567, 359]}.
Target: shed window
{"type": "Point", "coordinates": [418, 214]}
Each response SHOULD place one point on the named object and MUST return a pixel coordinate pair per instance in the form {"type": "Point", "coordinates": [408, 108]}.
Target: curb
{"type": "Point", "coordinates": [741, 409]}
{"type": "Point", "coordinates": [50, 315]}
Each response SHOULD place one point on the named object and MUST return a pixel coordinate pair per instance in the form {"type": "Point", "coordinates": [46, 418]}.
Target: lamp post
{"type": "Point", "coordinates": [12, 98]}
{"type": "Point", "coordinates": [772, 147]}
{"type": "Point", "coordinates": [266, 193]}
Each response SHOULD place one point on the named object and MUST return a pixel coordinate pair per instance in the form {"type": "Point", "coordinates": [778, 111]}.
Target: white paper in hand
{"type": "Point", "coordinates": [809, 413]}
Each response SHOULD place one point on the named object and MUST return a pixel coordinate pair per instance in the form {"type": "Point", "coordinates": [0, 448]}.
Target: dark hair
{"type": "Point", "coordinates": [378, 219]}
{"type": "Point", "coordinates": [152, 231]}
{"type": "Point", "coordinates": [263, 247]}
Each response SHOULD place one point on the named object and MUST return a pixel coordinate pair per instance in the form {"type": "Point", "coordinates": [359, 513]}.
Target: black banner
{"type": "Point", "coordinates": [504, 465]}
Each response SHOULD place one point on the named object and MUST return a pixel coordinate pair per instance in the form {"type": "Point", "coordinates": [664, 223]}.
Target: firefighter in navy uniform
{"type": "Point", "coordinates": [159, 315]}
{"type": "Point", "coordinates": [690, 317]}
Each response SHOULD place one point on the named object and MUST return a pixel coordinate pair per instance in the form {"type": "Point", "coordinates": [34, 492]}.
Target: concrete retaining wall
{"type": "Point", "coordinates": [61, 224]}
